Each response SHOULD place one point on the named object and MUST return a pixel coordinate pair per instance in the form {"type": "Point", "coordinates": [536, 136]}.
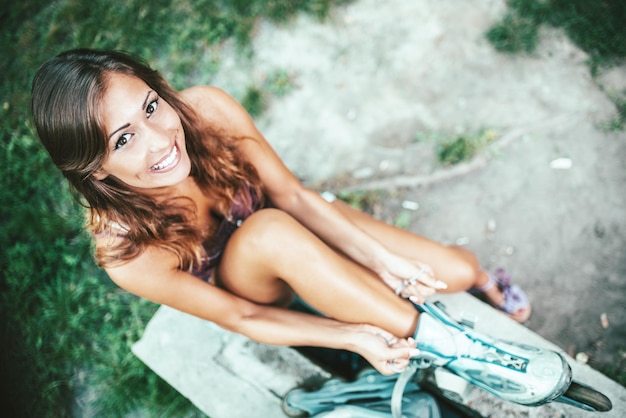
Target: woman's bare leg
{"type": "Point", "coordinates": [456, 266]}
{"type": "Point", "coordinates": [271, 254]}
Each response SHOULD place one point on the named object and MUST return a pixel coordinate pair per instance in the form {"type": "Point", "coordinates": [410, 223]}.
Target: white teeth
{"type": "Point", "coordinates": [167, 162]}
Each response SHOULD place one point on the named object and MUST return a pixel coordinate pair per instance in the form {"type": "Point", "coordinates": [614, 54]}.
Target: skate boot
{"type": "Point", "coordinates": [366, 397]}
{"type": "Point", "coordinates": [514, 372]}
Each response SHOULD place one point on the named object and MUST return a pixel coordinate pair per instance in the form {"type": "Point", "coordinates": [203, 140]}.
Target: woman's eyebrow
{"type": "Point", "coordinates": [126, 125]}
{"type": "Point", "coordinates": [145, 102]}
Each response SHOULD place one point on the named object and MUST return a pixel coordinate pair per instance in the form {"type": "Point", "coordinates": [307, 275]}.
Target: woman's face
{"type": "Point", "coordinates": [144, 134]}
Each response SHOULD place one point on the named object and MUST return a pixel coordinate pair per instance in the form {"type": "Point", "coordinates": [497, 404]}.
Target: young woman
{"type": "Point", "coordinates": [189, 206]}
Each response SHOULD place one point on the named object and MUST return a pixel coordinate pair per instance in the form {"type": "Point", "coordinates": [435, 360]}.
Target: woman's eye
{"type": "Point", "coordinates": [152, 107]}
{"type": "Point", "coordinates": [122, 140]}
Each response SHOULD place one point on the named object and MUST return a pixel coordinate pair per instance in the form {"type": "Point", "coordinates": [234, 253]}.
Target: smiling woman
{"type": "Point", "coordinates": [191, 207]}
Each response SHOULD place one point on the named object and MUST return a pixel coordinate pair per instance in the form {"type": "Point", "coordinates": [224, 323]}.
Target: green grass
{"type": "Point", "coordinates": [363, 200]}
{"type": "Point", "coordinates": [279, 83]}
{"type": "Point", "coordinates": [256, 99]}
{"type": "Point", "coordinates": [597, 27]}
{"type": "Point", "coordinates": [67, 331]}
{"type": "Point", "coordinates": [461, 148]}
{"type": "Point", "coordinates": [617, 122]}
{"type": "Point", "coordinates": [514, 34]}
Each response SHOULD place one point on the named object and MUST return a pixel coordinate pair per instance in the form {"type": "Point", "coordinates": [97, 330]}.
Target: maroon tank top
{"type": "Point", "coordinates": [214, 247]}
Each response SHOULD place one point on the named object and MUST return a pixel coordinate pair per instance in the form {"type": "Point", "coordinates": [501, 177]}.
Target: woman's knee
{"type": "Point", "coordinates": [262, 234]}
{"type": "Point", "coordinates": [249, 264]}
{"type": "Point", "coordinates": [463, 271]}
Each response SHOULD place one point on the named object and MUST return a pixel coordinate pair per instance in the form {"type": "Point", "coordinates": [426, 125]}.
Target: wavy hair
{"type": "Point", "coordinates": [66, 95]}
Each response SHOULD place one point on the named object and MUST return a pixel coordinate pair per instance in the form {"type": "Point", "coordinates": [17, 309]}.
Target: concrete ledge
{"type": "Point", "coordinates": [223, 374]}
{"type": "Point", "coordinates": [228, 376]}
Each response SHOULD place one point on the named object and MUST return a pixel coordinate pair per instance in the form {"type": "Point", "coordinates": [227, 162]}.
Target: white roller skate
{"type": "Point", "coordinates": [510, 371]}
{"type": "Point", "coordinates": [514, 372]}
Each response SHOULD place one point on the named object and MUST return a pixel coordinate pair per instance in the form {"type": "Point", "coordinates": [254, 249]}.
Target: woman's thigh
{"type": "Point", "coordinates": [456, 266]}
{"type": "Point", "coordinates": [271, 255]}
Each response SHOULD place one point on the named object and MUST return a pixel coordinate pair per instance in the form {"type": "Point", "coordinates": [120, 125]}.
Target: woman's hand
{"type": "Point", "coordinates": [385, 352]}
{"type": "Point", "coordinates": [413, 280]}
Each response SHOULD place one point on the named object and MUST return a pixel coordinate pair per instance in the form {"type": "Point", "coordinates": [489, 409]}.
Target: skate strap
{"type": "Point", "coordinates": [399, 387]}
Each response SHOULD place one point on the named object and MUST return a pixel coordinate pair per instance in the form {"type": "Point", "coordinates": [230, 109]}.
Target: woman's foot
{"type": "Point", "coordinates": [507, 297]}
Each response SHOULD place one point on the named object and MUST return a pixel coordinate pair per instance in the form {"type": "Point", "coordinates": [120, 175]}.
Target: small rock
{"type": "Point", "coordinates": [508, 250]}
{"type": "Point", "coordinates": [462, 241]}
{"type": "Point", "coordinates": [491, 225]}
{"type": "Point", "coordinates": [561, 164]}
{"type": "Point", "coordinates": [410, 205]}
{"type": "Point", "coordinates": [604, 320]}
{"type": "Point", "coordinates": [363, 173]}
{"type": "Point", "coordinates": [582, 358]}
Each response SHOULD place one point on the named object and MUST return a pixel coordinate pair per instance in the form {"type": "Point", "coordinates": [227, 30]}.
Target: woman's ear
{"type": "Point", "coordinates": [100, 174]}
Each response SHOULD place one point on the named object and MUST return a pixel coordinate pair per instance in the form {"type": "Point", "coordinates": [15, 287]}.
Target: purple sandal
{"type": "Point", "coordinates": [515, 304]}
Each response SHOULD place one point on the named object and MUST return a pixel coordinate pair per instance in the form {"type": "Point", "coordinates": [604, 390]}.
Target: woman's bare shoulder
{"type": "Point", "coordinates": [199, 94]}
{"type": "Point", "coordinates": [151, 262]}
{"type": "Point", "coordinates": [208, 99]}
{"type": "Point", "coordinates": [216, 105]}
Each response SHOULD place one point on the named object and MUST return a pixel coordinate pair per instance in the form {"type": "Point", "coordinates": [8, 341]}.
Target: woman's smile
{"type": "Point", "coordinates": [168, 162]}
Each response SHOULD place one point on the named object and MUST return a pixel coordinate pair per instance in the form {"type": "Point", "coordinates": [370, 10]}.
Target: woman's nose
{"type": "Point", "coordinates": [159, 140]}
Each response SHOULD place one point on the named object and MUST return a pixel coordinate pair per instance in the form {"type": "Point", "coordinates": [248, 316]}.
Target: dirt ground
{"type": "Point", "coordinates": [380, 80]}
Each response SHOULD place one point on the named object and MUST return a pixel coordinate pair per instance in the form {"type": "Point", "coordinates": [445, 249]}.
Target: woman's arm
{"type": "Point", "coordinates": [308, 207]}
{"type": "Point", "coordinates": [154, 276]}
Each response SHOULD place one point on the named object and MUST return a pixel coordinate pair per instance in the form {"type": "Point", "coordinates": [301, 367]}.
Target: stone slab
{"type": "Point", "coordinates": [228, 376]}
{"type": "Point", "coordinates": [224, 374]}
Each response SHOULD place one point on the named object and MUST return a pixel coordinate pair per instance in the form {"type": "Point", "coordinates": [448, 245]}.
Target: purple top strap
{"type": "Point", "coordinates": [214, 247]}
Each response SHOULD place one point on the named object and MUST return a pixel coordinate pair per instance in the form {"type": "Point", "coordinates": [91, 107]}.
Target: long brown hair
{"type": "Point", "coordinates": [66, 95]}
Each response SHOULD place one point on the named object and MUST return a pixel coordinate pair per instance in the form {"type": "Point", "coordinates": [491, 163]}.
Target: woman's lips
{"type": "Point", "coordinates": [168, 162]}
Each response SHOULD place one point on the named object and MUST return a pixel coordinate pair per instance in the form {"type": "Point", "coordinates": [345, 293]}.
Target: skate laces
{"type": "Point", "coordinates": [443, 341]}
{"type": "Point", "coordinates": [467, 346]}
{"type": "Point", "coordinates": [482, 351]}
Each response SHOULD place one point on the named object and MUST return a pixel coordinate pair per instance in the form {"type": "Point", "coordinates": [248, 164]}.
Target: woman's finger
{"type": "Point", "coordinates": [397, 365]}
{"type": "Point", "coordinates": [420, 284]}
{"type": "Point", "coordinates": [426, 276]}
{"type": "Point", "coordinates": [401, 359]}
